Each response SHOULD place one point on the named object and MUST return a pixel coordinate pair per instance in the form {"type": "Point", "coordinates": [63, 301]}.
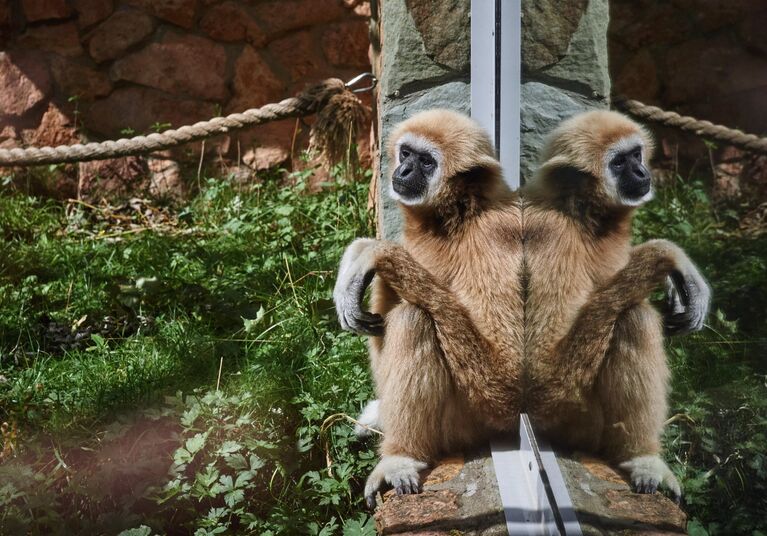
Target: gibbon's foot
{"type": "Point", "coordinates": [647, 473]}
{"type": "Point", "coordinates": [354, 276]}
{"type": "Point", "coordinates": [688, 298]}
{"type": "Point", "coordinates": [368, 419]}
{"type": "Point", "coordinates": [400, 472]}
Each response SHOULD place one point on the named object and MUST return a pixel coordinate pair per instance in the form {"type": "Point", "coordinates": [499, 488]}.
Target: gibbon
{"type": "Point", "coordinates": [447, 367]}
{"type": "Point", "coordinates": [590, 370]}
{"type": "Point", "coordinates": [598, 373]}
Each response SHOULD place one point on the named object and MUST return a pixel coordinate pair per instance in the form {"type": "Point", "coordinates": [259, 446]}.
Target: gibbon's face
{"type": "Point", "coordinates": [415, 178]}
{"type": "Point", "coordinates": [629, 180]}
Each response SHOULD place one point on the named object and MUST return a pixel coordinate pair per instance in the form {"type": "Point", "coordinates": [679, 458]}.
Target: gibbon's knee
{"type": "Point", "coordinates": [633, 385]}
{"type": "Point", "coordinates": [420, 410]}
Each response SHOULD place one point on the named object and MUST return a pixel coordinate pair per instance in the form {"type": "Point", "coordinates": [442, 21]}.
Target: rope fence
{"type": "Point", "coordinates": [702, 128]}
{"type": "Point", "coordinates": [312, 101]}
{"type": "Point", "coordinates": [306, 103]}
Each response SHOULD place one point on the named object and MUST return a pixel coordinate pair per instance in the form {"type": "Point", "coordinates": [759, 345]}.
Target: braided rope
{"type": "Point", "coordinates": [702, 128]}
{"type": "Point", "coordinates": [306, 103]}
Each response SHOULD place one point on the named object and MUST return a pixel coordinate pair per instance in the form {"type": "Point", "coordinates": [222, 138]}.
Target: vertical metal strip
{"type": "Point", "coordinates": [510, 84]}
{"type": "Point", "coordinates": [496, 77]}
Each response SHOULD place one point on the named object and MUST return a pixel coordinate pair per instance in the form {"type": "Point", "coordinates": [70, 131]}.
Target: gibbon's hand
{"type": "Point", "coordinates": [354, 276]}
{"type": "Point", "coordinates": [688, 298]}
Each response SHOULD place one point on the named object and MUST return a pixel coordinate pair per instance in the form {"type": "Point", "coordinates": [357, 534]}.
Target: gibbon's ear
{"type": "Point", "coordinates": [488, 164]}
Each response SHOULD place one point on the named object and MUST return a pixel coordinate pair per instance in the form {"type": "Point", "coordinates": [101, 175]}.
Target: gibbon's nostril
{"type": "Point", "coordinates": [640, 172]}
{"type": "Point", "coordinates": [405, 172]}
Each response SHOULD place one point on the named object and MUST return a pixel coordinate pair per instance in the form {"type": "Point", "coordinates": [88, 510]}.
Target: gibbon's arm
{"type": "Point", "coordinates": [584, 347]}
{"type": "Point", "coordinates": [470, 358]}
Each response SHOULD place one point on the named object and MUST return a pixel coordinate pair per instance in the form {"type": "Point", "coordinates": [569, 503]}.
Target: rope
{"type": "Point", "coordinates": [704, 129]}
{"type": "Point", "coordinates": [306, 103]}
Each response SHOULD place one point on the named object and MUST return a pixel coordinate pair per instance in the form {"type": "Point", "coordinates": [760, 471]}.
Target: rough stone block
{"type": "Point", "coordinates": [461, 497]}
{"type": "Point", "coordinates": [35, 10]}
{"type": "Point", "coordinates": [230, 21]}
{"type": "Point", "coordinates": [407, 64]}
{"type": "Point", "coordinates": [79, 79]}
{"type": "Point", "coordinates": [300, 56]}
{"type": "Point", "coordinates": [280, 16]}
{"type": "Point", "coordinates": [118, 33]}
{"type": "Point", "coordinates": [89, 12]}
{"type": "Point", "coordinates": [180, 12]}
{"type": "Point", "coordinates": [340, 44]}
{"type": "Point", "coordinates": [24, 82]}
{"type": "Point", "coordinates": [59, 38]}
{"type": "Point", "coordinates": [255, 84]}
{"type": "Point", "coordinates": [179, 64]}
{"type": "Point", "coordinates": [139, 108]}
{"type": "Point", "coordinates": [584, 66]}
{"type": "Point", "coordinates": [543, 108]}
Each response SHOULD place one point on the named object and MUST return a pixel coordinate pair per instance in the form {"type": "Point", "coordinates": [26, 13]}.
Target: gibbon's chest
{"type": "Point", "coordinates": [484, 270]}
{"type": "Point", "coordinates": [564, 264]}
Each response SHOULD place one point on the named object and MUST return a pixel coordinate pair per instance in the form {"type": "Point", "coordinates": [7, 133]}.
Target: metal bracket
{"type": "Point", "coordinates": [533, 492]}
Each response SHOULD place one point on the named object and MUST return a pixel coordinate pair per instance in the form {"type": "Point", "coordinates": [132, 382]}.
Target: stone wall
{"type": "Point", "coordinates": [564, 67]}
{"type": "Point", "coordinates": [705, 58]}
{"type": "Point", "coordinates": [424, 63]}
{"type": "Point", "coordinates": [107, 68]}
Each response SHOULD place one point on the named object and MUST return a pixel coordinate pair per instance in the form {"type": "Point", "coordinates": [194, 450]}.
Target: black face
{"type": "Point", "coordinates": [411, 178]}
{"type": "Point", "coordinates": [633, 177]}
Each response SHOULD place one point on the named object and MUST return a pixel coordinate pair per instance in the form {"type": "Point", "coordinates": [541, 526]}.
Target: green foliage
{"type": "Point", "coordinates": [232, 310]}
{"type": "Point", "coordinates": [718, 437]}
{"type": "Point", "coordinates": [220, 332]}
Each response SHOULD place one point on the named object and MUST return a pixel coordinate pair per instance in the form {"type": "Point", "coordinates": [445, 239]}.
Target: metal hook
{"type": "Point", "coordinates": [359, 78]}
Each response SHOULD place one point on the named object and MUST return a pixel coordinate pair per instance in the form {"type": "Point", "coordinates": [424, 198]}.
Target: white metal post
{"type": "Point", "coordinates": [496, 67]}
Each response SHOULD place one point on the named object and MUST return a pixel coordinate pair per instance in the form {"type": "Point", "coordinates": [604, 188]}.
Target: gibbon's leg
{"type": "Point", "coordinates": [486, 379]}
{"type": "Point", "coordinates": [420, 410]}
{"type": "Point", "coordinates": [633, 390]}
{"type": "Point", "coordinates": [582, 351]}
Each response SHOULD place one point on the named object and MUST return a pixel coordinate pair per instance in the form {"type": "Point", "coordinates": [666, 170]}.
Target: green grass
{"type": "Point", "coordinates": [112, 340]}
{"type": "Point", "coordinates": [242, 282]}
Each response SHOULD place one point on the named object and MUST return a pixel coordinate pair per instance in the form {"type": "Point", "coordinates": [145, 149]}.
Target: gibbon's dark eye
{"type": "Point", "coordinates": [427, 162]}
{"type": "Point", "coordinates": [403, 153]}
{"type": "Point", "coordinates": [637, 154]}
{"type": "Point", "coordinates": [619, 161]}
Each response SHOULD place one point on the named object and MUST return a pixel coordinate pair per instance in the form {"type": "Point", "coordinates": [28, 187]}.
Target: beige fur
{"type": "Point", "coordinates": [447, 370]}
{"type": "Point", "coordinates": [495, 304]}
{"type": "Point", "coordinates": [593, 344]}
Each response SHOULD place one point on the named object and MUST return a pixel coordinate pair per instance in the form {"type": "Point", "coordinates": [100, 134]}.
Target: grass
{"type": "Point", "coordinates": [182, 372]}
{"type": "Point", "coordinates": [221, 329]}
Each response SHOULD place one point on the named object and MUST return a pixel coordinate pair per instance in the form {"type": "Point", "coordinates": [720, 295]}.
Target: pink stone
{"type": "Point", "coordinates": [280, 16]}
{"type": "Point", "coordinates": [165, 181]}
{"type": "Point", "coordinates": [346, 44]}
{"type": "Point", "coordinates": [89, 12]}
{"type": "Point", "coordinates": [179, 64]}
{"type": "Point", "coordinates": [59, 38]}
{"type": "Point", "coordinates": [55, 128]}
{"type": "Point", "coordinates": [264, 158]}
{"type": "Point", "coordinates": [112, 179]}
{"type": "Point", "coordinates": [255, 84]}
{"type": "Point", "coordinates": [231, 22]}
{"type": "Point", "coordinates": [77, 78]}
{"type": "Point", "coordinates": [24, 82]}
{"type": "Point", "coordinates": [298, 54]}
{"type": "Point", "coordinates": [118, 33]}
{"type": "Point", "coordinates": [36, 10]}
{"type": "Point", "coordinates": [180, 12]}
{"type": "Point", "coordinates": [139, 108]}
